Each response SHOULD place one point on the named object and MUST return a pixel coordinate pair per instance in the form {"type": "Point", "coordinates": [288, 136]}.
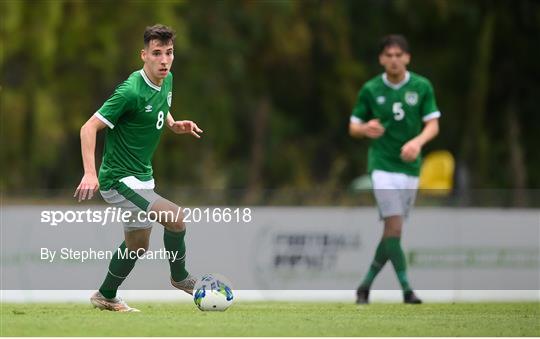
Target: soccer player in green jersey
{"type": "Point", "coordinates": [135, 115]}
{"type": "Point", "coordinates": [398, 112]}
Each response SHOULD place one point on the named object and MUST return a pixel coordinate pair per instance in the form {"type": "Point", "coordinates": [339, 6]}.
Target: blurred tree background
{"type": "Point", "coordinates": [272, 83]}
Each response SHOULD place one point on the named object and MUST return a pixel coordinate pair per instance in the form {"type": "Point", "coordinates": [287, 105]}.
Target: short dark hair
{"type": "Point", "coordinates": [394, 40]}
{"type": "Point", "coordinates": [159, 32]}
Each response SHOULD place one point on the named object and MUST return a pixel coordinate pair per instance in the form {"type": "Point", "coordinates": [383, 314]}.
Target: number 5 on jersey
{"type": "Point", "coordinates": [398, 111]}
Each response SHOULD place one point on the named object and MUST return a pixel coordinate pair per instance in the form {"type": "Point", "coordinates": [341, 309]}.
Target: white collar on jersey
{"type": "Point", "coordinates": [148, 82]}
{"type": "Point", "coordinates": [398, 85]}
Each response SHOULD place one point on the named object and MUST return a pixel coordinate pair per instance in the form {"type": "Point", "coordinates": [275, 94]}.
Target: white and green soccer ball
{"type": "Point", "coordinates": [213, 293]}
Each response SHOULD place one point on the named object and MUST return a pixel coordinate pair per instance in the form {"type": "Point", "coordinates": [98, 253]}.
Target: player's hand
{"type": "Point", "coordinates": [411, 150]}
{"type": "Point", "coordinates": [374, 129]}
{"type": "Point", "coordinates": [186, 126]}
{"type": "Point", "coordinates": [89, 184]}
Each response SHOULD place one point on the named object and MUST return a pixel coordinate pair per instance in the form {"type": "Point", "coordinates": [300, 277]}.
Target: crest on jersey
{"type": "Point", "coordinates": [169, 99]}
{"type": "Point", "coordinates": [411, 98]}
{"type": "Point", "coordinates": [381, 100]}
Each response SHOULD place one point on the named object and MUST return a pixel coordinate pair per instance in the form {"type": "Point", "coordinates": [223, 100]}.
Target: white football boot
{"type": "Point", "coordinates": [115, 304]}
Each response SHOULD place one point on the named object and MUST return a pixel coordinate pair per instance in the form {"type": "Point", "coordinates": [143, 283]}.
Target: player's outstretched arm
{"type": "Point", "coordinates": [371, 129]}
{"type": "Point", "coordinates": [89, 182]}
{"type": "Point", "coordinates": [411, 150]}
{"type": "Point", "coordinates": [183, 126]}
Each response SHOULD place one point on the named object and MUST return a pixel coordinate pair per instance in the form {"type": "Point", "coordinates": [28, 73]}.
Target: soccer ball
{"type": "Point", "coordinates": [213, 293]}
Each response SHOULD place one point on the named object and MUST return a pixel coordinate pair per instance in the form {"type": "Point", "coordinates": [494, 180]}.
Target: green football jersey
{"type": "Point", "coordinates": [135, 115]}
{"type": "Point", "coordinates": [402, 109]}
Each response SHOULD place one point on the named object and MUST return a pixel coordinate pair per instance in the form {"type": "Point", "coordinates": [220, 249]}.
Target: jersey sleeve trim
{"type": "Point", "coordinates": [104, 120]}
{"type": "Point", "coordinates": [431, 116]}
{"type": "Point", "coordinates": [355, 120]}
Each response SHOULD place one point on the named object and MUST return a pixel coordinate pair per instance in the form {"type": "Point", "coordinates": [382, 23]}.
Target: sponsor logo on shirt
{"type": "Point", "coordinates": [148, 108]}
{"type": "Point", "coordinates": [169, 99]}
{"type": "Point", "coordinates": [381, 100]}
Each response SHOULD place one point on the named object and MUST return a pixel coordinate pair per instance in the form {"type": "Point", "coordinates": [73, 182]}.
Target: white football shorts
{"type": "Point", "coordinates": [394, 192]}
{"type": "Point", "coordinates": [135, 196]}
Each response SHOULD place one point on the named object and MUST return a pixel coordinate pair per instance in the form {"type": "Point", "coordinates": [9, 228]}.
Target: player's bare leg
{"type": "Point", "coordinates": [393, 226]}
{"type": "Point", "coordinates": [138, 240]}
{"type": "Point", "coordinates": [171, 217]}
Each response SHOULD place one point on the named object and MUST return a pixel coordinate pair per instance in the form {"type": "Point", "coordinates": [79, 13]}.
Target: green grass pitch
{"type": "Point", "coordinates": [275, 319]}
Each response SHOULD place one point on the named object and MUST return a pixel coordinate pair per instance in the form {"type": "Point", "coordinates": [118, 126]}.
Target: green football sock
{"type": "Point", "coordinates": [119, 269]}
{"type": "Point", "coordinates": [175, 245]}
{"type": "Point", "coordinates": [376, 265]}
{"type": "Point", "coordinates": [397, 257]}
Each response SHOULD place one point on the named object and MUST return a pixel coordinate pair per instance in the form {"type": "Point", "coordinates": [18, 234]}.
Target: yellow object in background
{"type": "Point", "coordinates": [437, 173]}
